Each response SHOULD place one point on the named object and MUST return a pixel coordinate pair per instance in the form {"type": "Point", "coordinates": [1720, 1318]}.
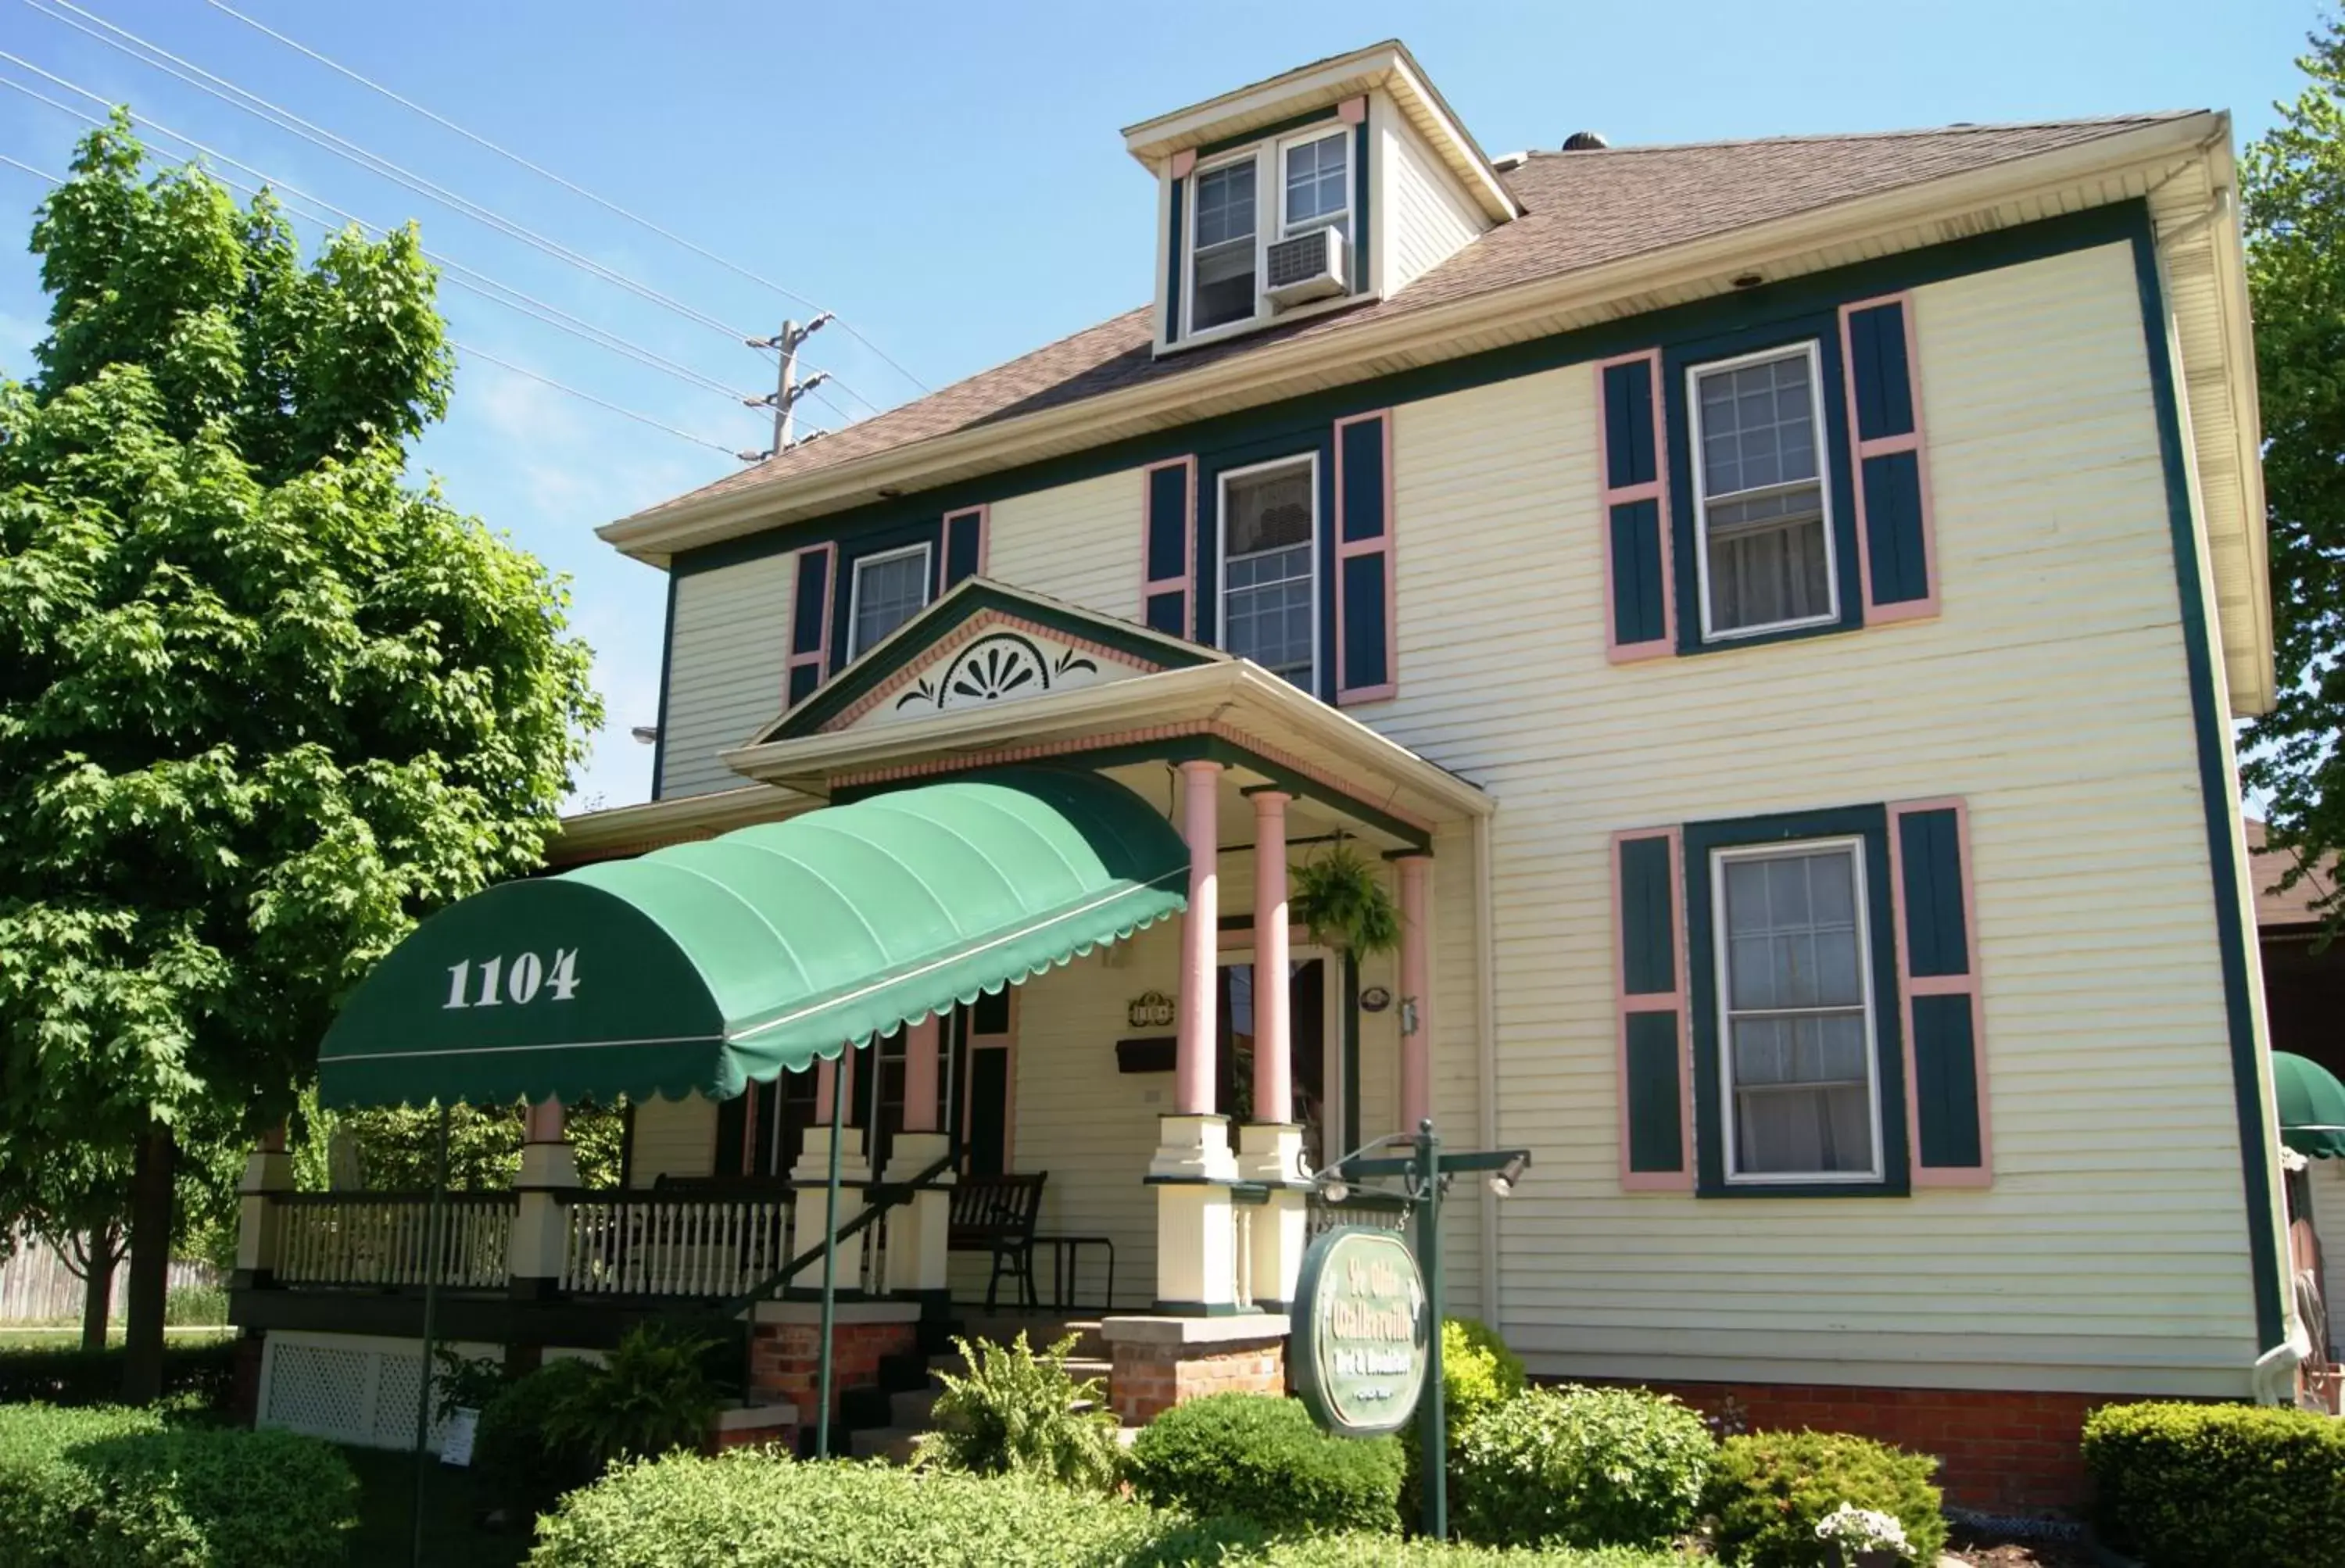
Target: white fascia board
{"type": "Point", "coordinates": [1423, 336]}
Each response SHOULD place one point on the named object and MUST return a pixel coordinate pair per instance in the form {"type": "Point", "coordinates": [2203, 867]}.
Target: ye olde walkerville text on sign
{"type": "Point", "coordinates": [1360, 1333]}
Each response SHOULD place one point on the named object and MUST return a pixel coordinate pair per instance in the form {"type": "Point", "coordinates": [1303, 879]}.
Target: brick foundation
{"type": "Point", "coordinates": [1145, 1379]}
{"type": "Point", "coordinates": [2003, 1451]}
{"type": "Point", "coordinates": [785, 1360]}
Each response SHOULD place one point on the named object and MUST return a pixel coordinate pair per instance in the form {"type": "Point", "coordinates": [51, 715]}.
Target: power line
{"type": "Point", "coordinates": [463, 348]}
{"type": "Point", "coordinates": [574, 188]}
{"type": "Point", "coordinates": [340, 147]}
{"type": "Point", "coordinates": [488, 287]}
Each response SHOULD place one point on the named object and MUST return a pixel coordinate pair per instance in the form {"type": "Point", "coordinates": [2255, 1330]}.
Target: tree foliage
{"type": "Point", "coordinates": [2293, 180]}
{"type": "Point", "coordinates": [262, 703]}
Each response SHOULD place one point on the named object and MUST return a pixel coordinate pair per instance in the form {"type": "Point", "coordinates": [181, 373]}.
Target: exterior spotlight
{"type": "Point", "coordinates": [1503, 1179]}
{"type": "Point", "coordinates": [1333, 1188]}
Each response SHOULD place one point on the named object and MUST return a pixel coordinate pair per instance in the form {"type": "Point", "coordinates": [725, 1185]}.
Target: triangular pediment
{"type": "Point", "coordinates": [982, 645]}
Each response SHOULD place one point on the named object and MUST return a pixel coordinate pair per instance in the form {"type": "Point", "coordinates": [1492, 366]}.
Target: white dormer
{"type": "Point", "coordinates": [1336, 183]}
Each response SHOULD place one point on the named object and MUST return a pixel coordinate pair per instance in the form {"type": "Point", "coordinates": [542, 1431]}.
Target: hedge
{"type": "Point", "coordinates": [1580, 1467]}
{"type": "Point", "coordinates": [2220, 1486]}
{"type": "Point", "coordinates": [1261, 1457]}
{"type": "Point", "coordinates": [111, 1488]}
{"type": "Point", "coordinates": [750, 1506]}
{"type": "Point", "coordinates": [69, 1375]}
{"type": "Point", "coordinates": [1769, 1491]}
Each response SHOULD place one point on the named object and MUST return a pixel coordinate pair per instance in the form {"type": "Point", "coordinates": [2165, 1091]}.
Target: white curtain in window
{"type": "Point", "coordinates": [1798, 1054]}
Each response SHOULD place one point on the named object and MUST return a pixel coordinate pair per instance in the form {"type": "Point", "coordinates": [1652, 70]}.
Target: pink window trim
{"type": "Point", "coordinates": [1008, 1043]}
{"type": "Point", "coordinates": [1658, 491]}
{"type": "Point", "coordinates": [1909, 985]}
{"type": "Point", "coordinates": [1184, 162]}
{"type": "Point", "coordinates": [1380, 545]}
{"type": "Point", "coordinates": [984, 515]}
{"type": "Point", "coordinates": [820, 658]}
{"type": "Point", "coordinates": [1883, 446]}
{"type": "Point", "coordinates": [1353, 111]}
{"type": "Point", "coordinates": [1672, 1002]}
{"type": "Point", "coordinates": [1151, 586]}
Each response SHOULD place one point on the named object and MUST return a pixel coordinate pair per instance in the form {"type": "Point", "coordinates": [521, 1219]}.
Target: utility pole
{"type": "Point", "coordinates": [787, 389]}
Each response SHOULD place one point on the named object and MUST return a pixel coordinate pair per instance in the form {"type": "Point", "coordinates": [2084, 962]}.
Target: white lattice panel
{"type": "Point", "coordinates": [348, 1387]}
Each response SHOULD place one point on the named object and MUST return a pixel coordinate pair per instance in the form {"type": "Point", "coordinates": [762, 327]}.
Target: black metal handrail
{"type": "Point", "coordinates": [879, 1196]}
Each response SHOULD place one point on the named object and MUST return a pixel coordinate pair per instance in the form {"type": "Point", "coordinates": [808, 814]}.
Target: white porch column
{"type": "Point", "coordinates": [541, 1232]}
{"type": "Point", "coordinates": [267, 1170]}
{"type": "Point", "coordinates": [1196, 1270]}
{"type": "Point", "coordinates": [1415, 991]}
{"type": "Point", "coordinates": [1270, 1147]}
{"type": "Point", "coordinates": [811, 1175]}
{"type": "Point", "coordinates": [916, 1232]}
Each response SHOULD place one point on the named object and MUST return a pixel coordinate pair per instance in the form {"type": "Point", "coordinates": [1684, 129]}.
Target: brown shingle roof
{"type": "Point", "coordinates": [2267, 865]}
{"type": "Point", "coordinates": [1582, 210]}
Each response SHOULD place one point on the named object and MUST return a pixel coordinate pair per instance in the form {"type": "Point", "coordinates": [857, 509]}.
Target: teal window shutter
{"type": "Point", "coordinates": [1656, 1117]}
{"type": "Point", "coordinates": [1169, 548]}
{"type": "Point", "coordinates": [1896, 549]}
{"type": "Point", "coordinates": [963, 556]}
{"type": "Point", "coordinates": [810, 658]}
{"type": "Point", "coordinates": [1634, 463]}
{"type": "Point", "coordinates": [1364, 657]}
{"type": "Point", "coordinates": [1938, 979]}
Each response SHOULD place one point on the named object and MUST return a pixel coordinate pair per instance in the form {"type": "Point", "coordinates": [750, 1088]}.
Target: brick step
{"type": "Point", "coordinates": [1078, 1367]}
{"type": "Point", "coordinates": [1042, 1331]}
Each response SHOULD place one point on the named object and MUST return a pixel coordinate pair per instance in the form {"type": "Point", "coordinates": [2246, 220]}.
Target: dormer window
{"type": "Point", "coordinates": [1223, 245]}
{"type": "Point", "coordinates": [1318, 185]}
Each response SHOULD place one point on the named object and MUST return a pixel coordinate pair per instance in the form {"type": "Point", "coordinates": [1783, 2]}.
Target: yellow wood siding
{"type": "Point", "coordinates": [2111, 1251]}
{"type": "Point", "coordinates": [1427, 220]}
{"type": "Point", "coordinates": [728, 640]}
{"type": "Point", "coordinates": [1079, 543]}
{"type": "Point", "coordinates": [674, 1138]}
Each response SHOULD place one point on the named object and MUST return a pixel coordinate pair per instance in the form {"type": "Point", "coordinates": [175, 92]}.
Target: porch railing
{"type": "Point", "coordinates": [656, 1244]}
{"type": "Point", "coordinates": [383, 1239]}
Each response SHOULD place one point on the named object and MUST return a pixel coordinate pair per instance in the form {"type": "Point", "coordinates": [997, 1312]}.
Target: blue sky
{"type": "Point", "coordinates": [947, 178]}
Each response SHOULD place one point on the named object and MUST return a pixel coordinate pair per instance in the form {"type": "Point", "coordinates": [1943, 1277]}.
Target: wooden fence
{"type": "Point", "coordinates": [37, 1287]}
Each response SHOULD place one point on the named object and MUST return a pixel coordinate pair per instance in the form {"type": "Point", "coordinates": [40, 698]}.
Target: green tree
{"type": "Point", "coordinates": [2293, 180]}
{"type": "Point", "coordinates": [262, 704]}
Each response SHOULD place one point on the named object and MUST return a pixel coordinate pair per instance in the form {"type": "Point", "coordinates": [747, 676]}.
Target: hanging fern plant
{"type": "Point", "coordinates": [1342, 902]}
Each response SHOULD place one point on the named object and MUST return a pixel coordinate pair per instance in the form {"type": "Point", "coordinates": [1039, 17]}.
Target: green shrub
{"type": "Point", "coordinates": [1580, 1467]}
{"type": "Point", "coordinates": [1477, 1371]}
{"type": "Point", "coordinates": [1769, 1491]}
{"type": "Point", "coordinates": [65, 1374]}
{"type": "Point", "coordinates": [2220, 1484]}
{"type": "Point", "coordinates": [751, 1506]}
{"type": "Point", "coordinates": [651, 1394]}
{"type": "Point", "coordinates": [110, 1488]}
{"type": "Point", "coordinates": [1015, 1411]}
{"type": "Point", "coordinates": [1261, 1457]}
{"type": "Point", "coordinates": [520, 1462]}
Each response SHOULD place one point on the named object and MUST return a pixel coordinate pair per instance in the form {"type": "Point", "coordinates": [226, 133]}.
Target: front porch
{"type": "Point", "coordinates": [1169, 1109]}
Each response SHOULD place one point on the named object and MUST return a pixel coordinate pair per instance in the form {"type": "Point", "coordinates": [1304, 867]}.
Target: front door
{"type": "Point", "coordinates": [1308, 1054]}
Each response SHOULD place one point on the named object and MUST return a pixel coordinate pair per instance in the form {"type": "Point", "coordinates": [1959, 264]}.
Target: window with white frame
{"type": "Point", "coordinates": [1796, 1013]}
{"type": "Point", "coordinates": [1316, 186]}
{"type": "Point", "coordinates": [1269, 585]}
{"type": "Point", "coordinates": [1221, 246]}
{"type": "Point", "coordinates": [890, 588]}
{"type": "Point", "coordinates": [1761, 500]}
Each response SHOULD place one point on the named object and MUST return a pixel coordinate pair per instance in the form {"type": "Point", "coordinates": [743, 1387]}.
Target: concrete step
{"type": "Point", "coordinates": [917, 1409]}
{"type": "Point", "coordinates": [1078, 1367]}
{"type": "Point", "coordinates": [1041, 1330]}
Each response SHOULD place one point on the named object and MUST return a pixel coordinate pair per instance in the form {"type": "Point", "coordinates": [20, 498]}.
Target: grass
{"type": "Point", "coordinates": [67, 1336]}
{"type": "Point", "coordinates": [450, 1539]}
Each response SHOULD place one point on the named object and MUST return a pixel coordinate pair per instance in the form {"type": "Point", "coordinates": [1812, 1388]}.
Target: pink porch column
{"type": "Point", "coordinates": [921, 1076]}
{"type": "Point", "coordinates": [544, 1123]}
{"type": "Point", "coordinates": [1416, 996]}
{"type": "Point", "coordinates": [1274, 1079]}
{"type": "Point", "coordinates": [1200, 786]}
{"type": "Point", "coordinates": [826, 1087]}
{"type": "Point", "coordinates": [541, 1226]}
{"type": "Point", "coordinates": [812, 1171]}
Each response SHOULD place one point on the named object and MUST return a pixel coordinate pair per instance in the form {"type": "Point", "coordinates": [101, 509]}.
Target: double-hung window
{"type": "Point", "coordinates": [1221, 246]}
{"type": "Point", "coordinates": [1316, 185]}
{"type": "Point", "coordinates": [1269, 580]}
{"type": "Point", "coordinates": [1800, 1092]}
{"type": "Point", "coordinates": [1763, 507]}
{"type": "Point", "coordinates": [890, 588]}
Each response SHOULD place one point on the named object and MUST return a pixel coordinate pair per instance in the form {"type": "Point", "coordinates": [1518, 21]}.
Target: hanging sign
{"type": "Point", "coordinates": [1360, 1333]}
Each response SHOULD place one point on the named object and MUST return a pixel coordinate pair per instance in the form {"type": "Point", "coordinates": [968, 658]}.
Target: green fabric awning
{"type": "Point", "coordinates": [2311, 1105]}
{"type": "Point", "coordinates": [702, 966]}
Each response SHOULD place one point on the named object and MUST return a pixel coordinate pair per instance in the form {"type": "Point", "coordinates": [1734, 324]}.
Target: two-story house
{"type": "Point", "coordinates": [1770, 612]}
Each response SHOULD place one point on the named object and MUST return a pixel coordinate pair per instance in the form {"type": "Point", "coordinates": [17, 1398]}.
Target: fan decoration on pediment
{"type": "Point", "coordinates": [995, 659]}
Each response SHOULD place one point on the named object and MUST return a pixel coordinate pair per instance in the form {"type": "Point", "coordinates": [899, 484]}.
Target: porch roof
{"type": "Point", "coordinates": [704, 966]}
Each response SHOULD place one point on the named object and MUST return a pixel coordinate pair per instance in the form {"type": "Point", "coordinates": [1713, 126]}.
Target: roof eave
{"type": "Point", "coordinates": [1327, 358]}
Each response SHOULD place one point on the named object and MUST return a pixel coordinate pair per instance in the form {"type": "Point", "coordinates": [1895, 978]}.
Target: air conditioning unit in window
{"type": "Point", "coordinates": [1308, 267]}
